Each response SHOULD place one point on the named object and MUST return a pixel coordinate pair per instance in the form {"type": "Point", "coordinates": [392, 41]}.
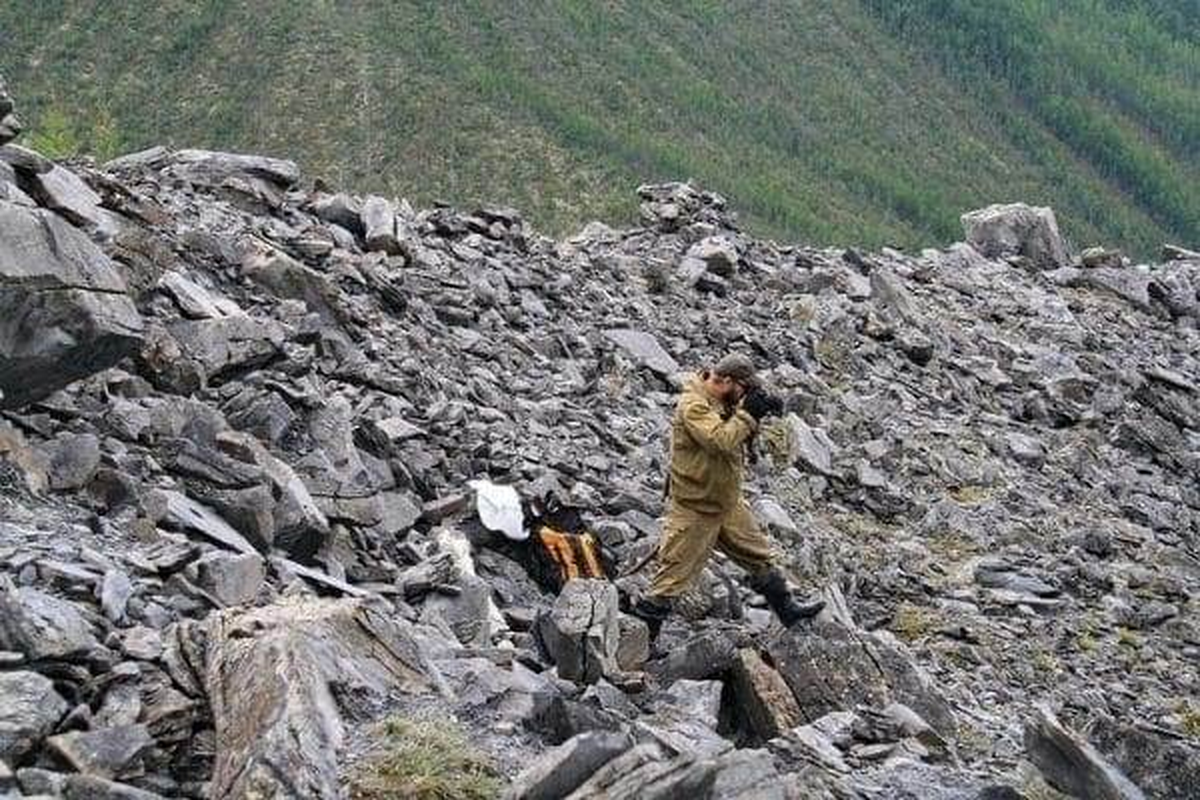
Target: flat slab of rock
{"type": "Point", "coordinates": [191, 516]}
{"type": "Point", "coordinates": [63, 304]}
{"type": "Point", "coordinates": [581, 632]}
{"type": "Point", "coordinates": [42, 626]}
{"type": "Point", "coordinates": [65, 192]}
{"type": "Point", "coordinates": [107, 752]}
{"type": "Point", "coordinates": [270, 678]}
{"type": "Point", "coordinates": [29, 710]}
{"type": "Point", "coordinates": [193, 300]}
{"type": "Point", "coordinates": [1071, 765]}
{"type": "Point", "coordinates": [1017, 229]}
{"type": "Point", "coordinates": [835, 667]}
{"type": "Point", "coordinates": [560, 770]}
{"type": "Point", "coordinates": [643, 348]}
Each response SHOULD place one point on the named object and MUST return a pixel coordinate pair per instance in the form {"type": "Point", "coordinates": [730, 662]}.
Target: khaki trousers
{"type": "Point", "coordinates": [689, 537]}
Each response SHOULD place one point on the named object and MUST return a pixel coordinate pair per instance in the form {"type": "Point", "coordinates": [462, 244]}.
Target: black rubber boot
{"type": "Point", "coordinates": [773, 586]}
{"type": "Point", "coordinates": [653, 611]}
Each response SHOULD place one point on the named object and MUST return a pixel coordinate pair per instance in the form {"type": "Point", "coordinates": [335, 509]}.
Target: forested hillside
{"type": "Point", "coordinates": [849, 121]}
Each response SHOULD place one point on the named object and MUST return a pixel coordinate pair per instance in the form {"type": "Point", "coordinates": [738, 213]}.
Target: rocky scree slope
{"type": "Point", "coordinates": [240, 416]}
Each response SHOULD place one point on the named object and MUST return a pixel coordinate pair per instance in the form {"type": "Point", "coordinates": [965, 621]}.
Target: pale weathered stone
{"type": "Point", "coordinates": [270, 677]}
{"type": "Point", "coordinates": [558, 771]}
{"type": "Point", "coordinates": [107, 753]}
{"type": "Point", "coordinates": [1072, 765]}
{"type": "Point", "coordinates": [29, 710]}
{"type": "Point", "coordinates": [41, 626]}
{"type": "Point", "coordinates": [581, 632]}
{"type": "Point", "coordinates": [1017, 229]}
{"type": "Point", "coordinates": [64, 313]}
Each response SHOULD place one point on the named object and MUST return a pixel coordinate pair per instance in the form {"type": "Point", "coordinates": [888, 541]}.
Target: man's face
{"type": "Point", "coordinates": [725, 389]}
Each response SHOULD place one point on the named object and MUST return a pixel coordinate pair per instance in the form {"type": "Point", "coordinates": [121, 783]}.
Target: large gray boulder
{"type": "Point", "coordinates": [834, 665]}
{"type": "Point", "coordinates": [559, 771]}
{"type": "Point", "coordinates": [41, 626]}
{"type": "Point", "coordinates": [29, 711]}
{"type": "Point", "coordinates": [64, 311]}
{"type": "Point", "coordinates": [1070, 764]}
{"type": "Point", "coordinates": [280, 680]}
{"type": "Point", "coordinates": [1017, 230]}
{"type": "Point", "coordinates": [581, 633]}
{"type": "Point", "coordinates": [1163, 767]}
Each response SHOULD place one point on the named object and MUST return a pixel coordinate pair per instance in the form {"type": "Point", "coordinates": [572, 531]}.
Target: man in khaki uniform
{"type": "Point", "coordinates": [717, 414]}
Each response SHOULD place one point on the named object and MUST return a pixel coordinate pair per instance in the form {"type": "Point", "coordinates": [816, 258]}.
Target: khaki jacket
{"type": "Point", "coordinates": [706, 451]}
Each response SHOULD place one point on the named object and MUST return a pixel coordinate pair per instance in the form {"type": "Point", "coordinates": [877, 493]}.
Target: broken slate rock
{"type": "Point", "coordinates": [762, 697]}
{"type": "Point", "coordinates": [190, 516]}
{"type": "Point", "coordinates": [559, 771]}
{"type": "Point", "coordinates": [581, 633]}
{"type": "Point", "coordinates": [107, 753]}
{"type": "Point", "coordinates": [63, 191]}
{"type": "Point", "coordinates": [41, 626]}
{"type": "Point", "coordinates": [644, 349]}
{"type": "Point", "coordinates": [29, 710]}
{"type": "Point", "coordinates": [1017, 230]}
{"type": "Point", "coordinates": [64, 305]}
{"type": "Point", "coordinates": [233, 578]}
{"type": "Point", "coordinates": [1071, 765]}
{"type": "Point", "coordinates": [831, 667]}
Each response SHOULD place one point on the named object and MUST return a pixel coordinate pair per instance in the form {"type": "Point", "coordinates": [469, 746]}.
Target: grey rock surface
{"type": "Point", "coordinates": [989, 471]}
{"type": "Point", "coordinates": [1017, 229]}
{"type": "Point", "coordinates": [31, 710]}
{"type": "Point", "coordinates": [581, 632]}
{"type": "Point", "coordinates": [65, 310]}
{"type": "Point", "coordinates": [559, 771]}
{"type": "Point", "coordinates": [1071, 764]}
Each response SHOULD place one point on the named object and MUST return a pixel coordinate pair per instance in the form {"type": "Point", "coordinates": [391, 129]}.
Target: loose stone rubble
{"type": "Point", "coordinates": [240, 415]}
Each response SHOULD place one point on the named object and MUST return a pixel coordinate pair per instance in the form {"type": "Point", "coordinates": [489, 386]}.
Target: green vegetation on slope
{"type": "Point", "coordinates": [1114, 81]}
{"type": "Point", "coordinates": [840, 122]}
